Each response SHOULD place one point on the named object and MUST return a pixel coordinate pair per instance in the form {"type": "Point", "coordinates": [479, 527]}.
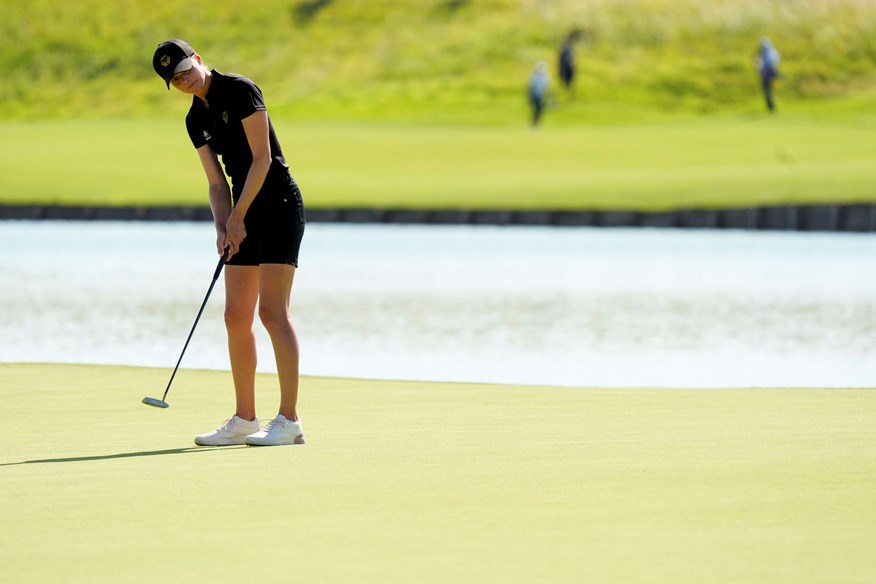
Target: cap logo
{"type": "Point", "coordinates": [165, 60]}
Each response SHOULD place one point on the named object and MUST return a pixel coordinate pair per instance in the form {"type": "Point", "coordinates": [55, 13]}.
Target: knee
{"type": "Point", "coordinates": [237, 319]}
{"type": "Point", "coordinates": [274, 318]}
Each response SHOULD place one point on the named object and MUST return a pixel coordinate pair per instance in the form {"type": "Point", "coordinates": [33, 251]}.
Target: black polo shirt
{"type": "Point", "coordinates": [233, 98]}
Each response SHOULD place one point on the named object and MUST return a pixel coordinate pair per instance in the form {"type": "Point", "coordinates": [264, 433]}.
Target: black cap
{"type": "Point", "coordinates": [171, 57]}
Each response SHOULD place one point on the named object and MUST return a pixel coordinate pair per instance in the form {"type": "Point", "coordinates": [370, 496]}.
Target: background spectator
{"type": "Point", "coordinates": [767, 62]}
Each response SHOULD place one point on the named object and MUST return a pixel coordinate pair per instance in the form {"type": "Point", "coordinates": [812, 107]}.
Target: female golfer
{"type": "Point", "coordinates": [259, 221]}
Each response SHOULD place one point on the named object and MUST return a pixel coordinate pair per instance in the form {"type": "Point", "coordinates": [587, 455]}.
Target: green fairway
{"type": "Point", "coordinates": [427, 482]}
{"type": "Point", "coordinates": [725, 161]}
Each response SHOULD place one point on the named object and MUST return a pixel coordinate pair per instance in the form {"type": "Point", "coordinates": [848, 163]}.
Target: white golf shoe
{"type": "Point", "coordinates": [233, 431]}
{"type": "Point", "coordinates": [277, 432]}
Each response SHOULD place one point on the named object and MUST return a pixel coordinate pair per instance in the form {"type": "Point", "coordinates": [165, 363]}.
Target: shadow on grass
{"type": "Point", "coordinates": [121, 455]}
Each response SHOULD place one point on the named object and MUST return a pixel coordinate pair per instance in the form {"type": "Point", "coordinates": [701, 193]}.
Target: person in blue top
{"type": "Point", "coordinates": [767, 63]}
{"type": "Point", "coordinates": [539, 82]}
{"type": "Point", "coordinates": [259, 220]}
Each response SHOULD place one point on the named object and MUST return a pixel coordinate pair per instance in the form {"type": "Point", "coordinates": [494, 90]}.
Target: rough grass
{"type": "Point", "coordinates": [407, 59]}
{"type": "Point", "coordinates": [431, 482]}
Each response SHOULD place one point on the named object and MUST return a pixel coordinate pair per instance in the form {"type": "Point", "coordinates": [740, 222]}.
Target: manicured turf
{"type": "Point", "coordinates": [696, 162]}
{"type": "Point", "coordinates": [425, 482]}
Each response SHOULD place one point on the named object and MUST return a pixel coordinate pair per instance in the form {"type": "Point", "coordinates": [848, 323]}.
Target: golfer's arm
{"type": "Point", "coordinates": [220, 194]}
{"type": "Point", "coordinates": [256, 128]}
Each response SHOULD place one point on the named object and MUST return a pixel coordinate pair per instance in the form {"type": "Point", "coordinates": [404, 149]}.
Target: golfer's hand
{"type": "Point", "coordinates": [220, 242]}
{"type": "Point", "coordinates": [235, 233]}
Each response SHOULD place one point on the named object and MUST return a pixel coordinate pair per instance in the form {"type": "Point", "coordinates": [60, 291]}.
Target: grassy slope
{"type": "Point", "coordinates": [422, 59]}
{"type": "Point", "coordinates": [429, 482]}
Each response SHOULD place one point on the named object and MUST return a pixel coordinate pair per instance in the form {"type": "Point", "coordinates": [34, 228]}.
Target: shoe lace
{"type": "Point", "coordinates": [227, 424]}
{"type": "Point", "coordinates": [266, 425]}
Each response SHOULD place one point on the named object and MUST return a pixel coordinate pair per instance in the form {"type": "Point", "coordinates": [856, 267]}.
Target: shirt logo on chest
{"type": "Point", "coordinates": [225, 117]}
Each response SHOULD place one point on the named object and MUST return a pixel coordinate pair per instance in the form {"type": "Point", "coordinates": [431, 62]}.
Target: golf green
{"type": "Point", "coordinates": [430, 482]}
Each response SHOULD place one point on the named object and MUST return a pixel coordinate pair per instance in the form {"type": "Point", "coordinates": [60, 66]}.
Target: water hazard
{"type": "Point", "coordinates": [582, 307]}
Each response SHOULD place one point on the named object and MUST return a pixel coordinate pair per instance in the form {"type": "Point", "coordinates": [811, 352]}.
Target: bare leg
{"type": "Point", "coordinates": [241, 295]}
{"type": "Point", "coordinates": [275, 288]}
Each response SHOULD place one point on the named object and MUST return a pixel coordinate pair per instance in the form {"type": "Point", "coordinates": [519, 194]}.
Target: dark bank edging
{"type": "Point", "coordinates": [850, 217]}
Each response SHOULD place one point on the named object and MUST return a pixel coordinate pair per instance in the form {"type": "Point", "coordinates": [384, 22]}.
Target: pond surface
{"type": "Point", "coordinates": [529, 305]}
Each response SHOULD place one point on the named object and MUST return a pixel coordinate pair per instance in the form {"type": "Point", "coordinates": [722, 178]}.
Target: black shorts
{"type": "Point", "coordinates": [274, 229]}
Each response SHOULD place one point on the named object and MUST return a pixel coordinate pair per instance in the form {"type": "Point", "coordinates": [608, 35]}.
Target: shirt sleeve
{"type": "Point", "coordinates": [246, 99]}
{"type": "Point", "coordinates": [197, 133]}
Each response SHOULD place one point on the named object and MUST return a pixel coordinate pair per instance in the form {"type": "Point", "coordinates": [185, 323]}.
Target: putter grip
{"type": "Point", "coordinates": [221, 263]}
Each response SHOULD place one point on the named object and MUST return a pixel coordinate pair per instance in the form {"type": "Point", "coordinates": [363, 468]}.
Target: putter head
{"type": "Point", "coordinates": [155, 403]}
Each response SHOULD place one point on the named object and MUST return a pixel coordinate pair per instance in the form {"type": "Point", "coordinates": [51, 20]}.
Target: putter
{"type": "Point", "coordinates": [160, 403]}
